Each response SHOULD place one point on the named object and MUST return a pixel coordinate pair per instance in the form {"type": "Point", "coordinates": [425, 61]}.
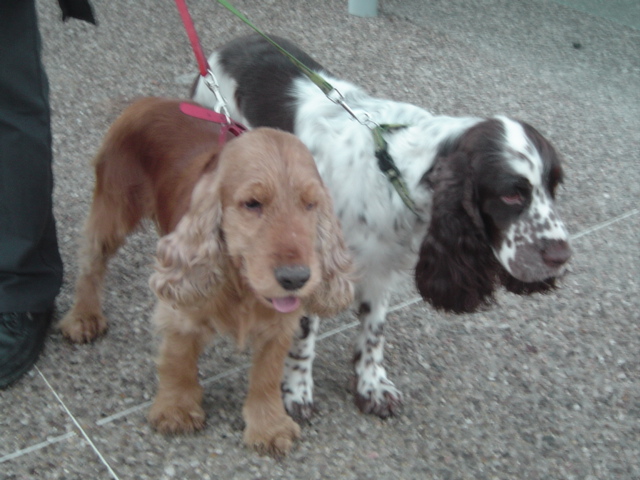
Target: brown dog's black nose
{"type": "Point", "coordinates": [292, 277]}
{"type": "Point", "coordinates": [556, 253]}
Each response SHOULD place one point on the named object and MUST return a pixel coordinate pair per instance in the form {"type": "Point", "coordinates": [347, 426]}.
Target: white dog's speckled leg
{"type": "Point", "coordinates": [297, 383]}
{"type": "Point", "coordinates": [375, 393]}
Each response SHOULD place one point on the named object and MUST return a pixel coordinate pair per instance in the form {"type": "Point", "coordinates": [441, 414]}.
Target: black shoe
{"type": "Point", "coordinates": [22, 337]}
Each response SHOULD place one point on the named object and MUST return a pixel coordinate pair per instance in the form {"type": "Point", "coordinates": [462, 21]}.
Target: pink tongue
{"type": "Point", "coordinates": [286, 304]}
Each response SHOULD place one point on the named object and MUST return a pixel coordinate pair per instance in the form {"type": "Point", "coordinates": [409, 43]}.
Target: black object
{"type": "Point", "coordinates": [22, 337]}
{"type": "Point", "coordinates": [80, 9]}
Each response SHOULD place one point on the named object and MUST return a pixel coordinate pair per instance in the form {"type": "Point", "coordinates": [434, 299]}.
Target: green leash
{"type": "Point", "coordinates": [325, 86]}
{"type": "Point", "coordinates": [385, 162]}
{"type": "Point", "coordinates": [389, 167]}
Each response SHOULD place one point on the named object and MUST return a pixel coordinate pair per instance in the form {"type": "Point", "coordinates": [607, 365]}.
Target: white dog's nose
{"type": "Point", "coordinates": [556, 253]}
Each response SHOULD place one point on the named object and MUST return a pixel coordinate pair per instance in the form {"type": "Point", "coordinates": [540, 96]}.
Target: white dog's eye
{"type": "Point", "coordinates": [514, 199]}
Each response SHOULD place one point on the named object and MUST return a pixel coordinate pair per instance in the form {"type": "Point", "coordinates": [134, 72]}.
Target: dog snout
{"type": "Point", "coordinates": [292, 277]}
{"type": "Point", "coordinates": [556, 253]}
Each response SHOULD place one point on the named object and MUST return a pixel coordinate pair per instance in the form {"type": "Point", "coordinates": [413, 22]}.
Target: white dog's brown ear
{"type": "Point", "coordinates": [188, 259]}
{"type": "Point", "coordinates": [336, 292]}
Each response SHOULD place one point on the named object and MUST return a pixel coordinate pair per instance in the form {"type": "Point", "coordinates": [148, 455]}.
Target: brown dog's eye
{"type": "Point", "coordinates": [311, 206]}
{"type": "Point", "coordinates": [253, 205]}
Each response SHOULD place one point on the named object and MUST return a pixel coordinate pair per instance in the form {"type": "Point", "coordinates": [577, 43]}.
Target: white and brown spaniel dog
{"type": "Point", "coordinates": [484, 189]}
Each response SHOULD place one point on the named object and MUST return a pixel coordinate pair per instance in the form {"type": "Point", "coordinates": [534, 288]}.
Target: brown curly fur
{"type": "Point", "coordinates": [230, 218]}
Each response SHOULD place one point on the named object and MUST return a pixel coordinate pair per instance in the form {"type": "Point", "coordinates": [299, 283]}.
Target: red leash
{"type": "Point", "coordinates": [193, 37]}
{"type": "Point", "coordinates": [228, 126]}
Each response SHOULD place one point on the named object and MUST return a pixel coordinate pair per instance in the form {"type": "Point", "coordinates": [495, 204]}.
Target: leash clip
{"type": "Point", "coordinates": [220, 106]}
{"type": "Point", "coordinates": [336, 97]}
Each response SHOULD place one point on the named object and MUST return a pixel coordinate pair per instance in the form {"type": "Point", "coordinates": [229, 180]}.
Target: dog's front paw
{"type": "Point", "coordinates": [83, 327]}
{"type": "Point", "coordinates": [297, 395]}
{"type": "Point", "coordinates": [379, 397]}
{"type": "Point", "coordinates": [275, 439]}
{"type": "Point", "coordinates": [301, 411]}
{"type": "Point", "coordinates": [168, 417]}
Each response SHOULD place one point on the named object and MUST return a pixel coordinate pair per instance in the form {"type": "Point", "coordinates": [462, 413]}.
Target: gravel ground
{"type": "Point", "coordinates": [545, 387]}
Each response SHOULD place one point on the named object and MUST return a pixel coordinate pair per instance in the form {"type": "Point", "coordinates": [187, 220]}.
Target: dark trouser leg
{"type": "Point", "coordinates": [30, 264]}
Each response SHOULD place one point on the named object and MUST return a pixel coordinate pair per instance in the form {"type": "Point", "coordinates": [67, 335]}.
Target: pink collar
{"type": "Point", "coordinates": [228, 126]}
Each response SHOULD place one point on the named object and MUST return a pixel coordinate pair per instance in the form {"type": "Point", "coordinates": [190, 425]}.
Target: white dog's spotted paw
{"type": "Point", "coordinates": [298, 398]}
{"type": "Point", "coordinates": [301, 411]}
{"type": "Point", "coordinates": [381, 398]}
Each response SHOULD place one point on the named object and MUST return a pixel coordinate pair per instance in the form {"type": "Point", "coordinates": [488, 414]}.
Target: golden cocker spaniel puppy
{"type": "Point", "coordinates": [249, 242]}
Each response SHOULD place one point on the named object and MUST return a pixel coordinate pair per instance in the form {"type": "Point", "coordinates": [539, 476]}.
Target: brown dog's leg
{"type": "Point", "coordinates": [177, 406]}
{"type": "Point", "coordinates": [268, 427]}
{"type": "Point", "coordinates": [105, 232]}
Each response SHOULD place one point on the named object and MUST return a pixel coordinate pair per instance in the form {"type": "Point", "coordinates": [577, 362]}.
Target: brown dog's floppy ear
{"type": "Point", "coordinates": [188, 259]}
{"type": "Point", "coordinates": [336, 292]}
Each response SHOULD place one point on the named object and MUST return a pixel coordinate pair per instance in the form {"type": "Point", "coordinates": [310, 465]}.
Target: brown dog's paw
{"type": "Point", "coordinates": [83, 327]}
{"type": "Point", "coordinates": [168, 418]}
{"type": "Point", "coordinates": [275, 440]}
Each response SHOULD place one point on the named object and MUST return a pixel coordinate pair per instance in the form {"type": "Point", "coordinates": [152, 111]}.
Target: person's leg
{"type": "Point", "coordinates": [30, 264]}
